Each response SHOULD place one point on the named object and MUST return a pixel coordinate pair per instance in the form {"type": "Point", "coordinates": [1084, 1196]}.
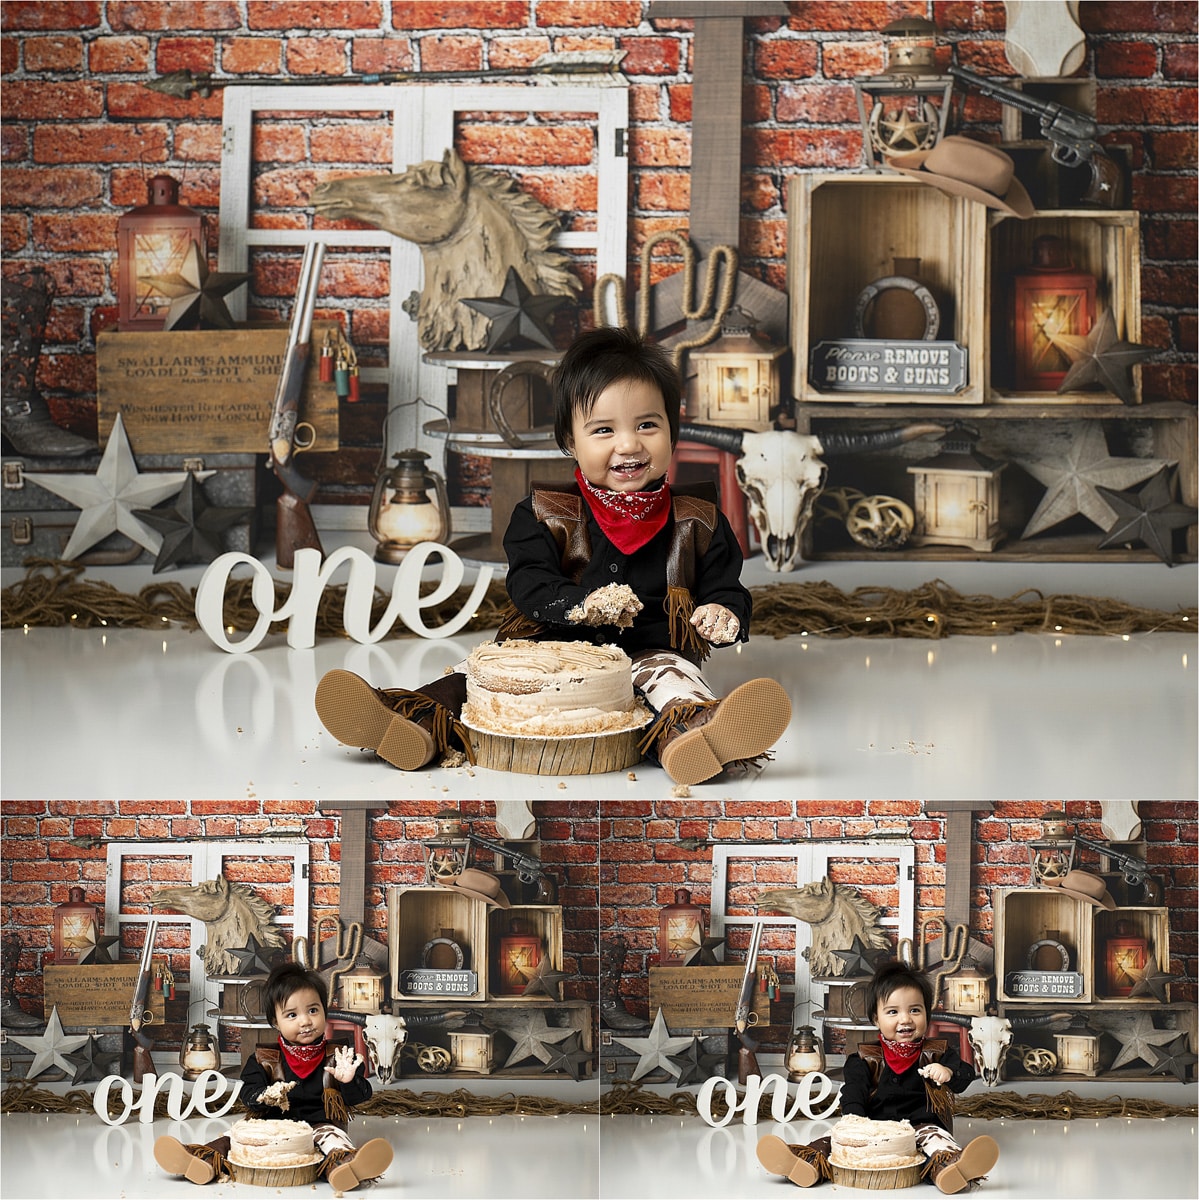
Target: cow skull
{"type": "Point", "coordinates": [991, 1037]}
{"type": "Point", "coordinates": [782, 473]}
{"type": "Point", "coordinates": [385, 1037]}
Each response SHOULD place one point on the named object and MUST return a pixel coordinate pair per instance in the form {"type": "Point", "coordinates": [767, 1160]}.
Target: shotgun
{"type": "Point", "coordinates": [139, 1013]}
{"type": "Point", "coordinates": [294, 527]}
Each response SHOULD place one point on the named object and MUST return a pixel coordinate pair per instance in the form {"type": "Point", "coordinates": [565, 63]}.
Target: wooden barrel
{"type": "Point", "coordinates": [579, 754]}
{"type": "Point", "coordinates": [276, 1176]}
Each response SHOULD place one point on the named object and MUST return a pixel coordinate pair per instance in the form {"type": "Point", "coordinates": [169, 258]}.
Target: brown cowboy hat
{"type": "Point", "coordinates": [1082, 885]}
{"type": "Point", "coordinates": [480, 884]}
{"type": "Point", "coordinates": [963, 167]}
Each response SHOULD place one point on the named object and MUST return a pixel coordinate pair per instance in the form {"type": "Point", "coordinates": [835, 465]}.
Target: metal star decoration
{"type": "Point", "coordinates": [1148, 516]}
{"type": "Point", "coordinates": [544, 979]}
{"type": "Point", "coordinates": [704, 955]}
{"type": "Point", "coordinates": [1151, 980]}
{"type": "Point", "coordinates": [1173, 1057]}
{"type": "Point", "coordinates": [253, 958]}
{"type": "Point", "coordinates": [92, 1062]}
{"type": "Point", "coordinates": [109, 497]}
{"type": "Point", "coordinates": [1136, 1034]}
{"type": "Point", "coordinates": [900, 130]}
{"type": "Point", "coordinates": [656, 1049]}
{"type": "Point", "coordinates": [859, 959]}
{"type": "Point", "coordinates": [569, 1056]}
{"type": "Point", "coordinates": [198, 294]}
{"type": "Point", "coordinates": [531, 1034]}
{"type": "Point", "coordinates": [1101, 359]}
{"type": "Point", "coordinates": [52, 1048]}
{"type": "Point", "coordinates": [516, 313]}
{"type": "Point", "coordinates": [191, 526]}
{"type": "Point", "coordinates": [100, 951]}
{"type": "Point", "coordinates": [694, 1065]}
{"type": "Point", "coordinates": [1073, 480]}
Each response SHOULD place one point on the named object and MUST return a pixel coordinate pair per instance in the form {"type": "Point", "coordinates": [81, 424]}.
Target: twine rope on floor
{"type": "Point", "coordinates": [628, 1099]}
{"type": "Point", "coordinates": [54, 593]}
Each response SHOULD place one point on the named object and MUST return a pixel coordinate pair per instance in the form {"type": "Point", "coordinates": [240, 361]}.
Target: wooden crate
{"type": "Point", "coordinates": [206, 390]}
{"type": "Point", "coordinates": [1024, 916]}
{"type": "Point", "coordinates": [1104, 244]}
{"type": "Point", "coordinates": [1153, 924]}
{"type": "Point", "coordinates": [844, 232]}
{"type": "Point", "coordinates": [543, 921]}
{"type": "Point", "coordinates": [416, 915]}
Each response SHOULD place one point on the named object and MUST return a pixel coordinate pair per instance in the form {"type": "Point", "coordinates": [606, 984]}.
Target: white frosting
{"type": "Point", "coordinates": [255, 1143]}
{"type": "Point", "coordinates": [550, 689]}
{"type": "Point", "coordinates": [862, 1143]}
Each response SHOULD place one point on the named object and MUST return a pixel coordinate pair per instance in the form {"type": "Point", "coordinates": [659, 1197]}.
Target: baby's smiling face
{"type": "Point", "coordinates": [902, 1017]}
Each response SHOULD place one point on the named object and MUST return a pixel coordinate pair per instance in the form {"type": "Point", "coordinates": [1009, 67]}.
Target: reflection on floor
{"type": "Point", "coordinates": [94, 714]}
{"type": "Point", "coordinates": [61, 1157]}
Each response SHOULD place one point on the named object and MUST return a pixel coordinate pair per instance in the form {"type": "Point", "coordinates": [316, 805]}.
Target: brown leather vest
{"type": "Point", "coordinates": [939, 1098]}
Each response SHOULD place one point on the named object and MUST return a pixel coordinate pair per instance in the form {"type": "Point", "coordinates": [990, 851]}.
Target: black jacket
{"type": "Point", "coordinates": [900, 1097]}
{"type": "Point", "coordinates": [307, 1099]}
{"type": "Point", "coordinates": [541, 591]}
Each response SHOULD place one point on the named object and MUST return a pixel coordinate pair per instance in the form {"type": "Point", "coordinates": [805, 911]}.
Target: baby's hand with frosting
{"type": "Point", "coordinates": [716, 624]}
{"type": "Point", "coordinates": [277, 1095]}
{"type": "Point", "coordinates": [613, 604]}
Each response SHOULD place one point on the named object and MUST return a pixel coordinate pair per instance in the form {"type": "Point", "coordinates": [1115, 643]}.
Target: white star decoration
{"type": "Point", "coordinates": [1072, 480]}
{"type": "Point", "coordinates": [108, 497]}
{"type": "Point", "coordinates": [51, 1048]}
{"type": "Point", "coordinates": [656, 1049]}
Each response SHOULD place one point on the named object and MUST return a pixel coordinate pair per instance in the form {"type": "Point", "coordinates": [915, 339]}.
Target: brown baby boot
{"type": "Point", "coordinates": [803, 1165]}
{"type": "Point", "coordinates": [405, 728]}
{"type": "Point", "coordinates": [695, 742]}
{"type": "Point", "coordinates": [346, 1169]}
{"type": "Point", "coordinates": [953, 1170]}
{"type": "Point", "coordinates": [200, 1164]}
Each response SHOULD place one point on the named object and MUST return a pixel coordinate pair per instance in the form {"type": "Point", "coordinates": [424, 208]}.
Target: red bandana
{"type": "Point", "coordinates": [899, 1056]}
{"type": "Point", "coordinates": [303, 1060]}
{"type": "Point", "coordinates": [629, 519]}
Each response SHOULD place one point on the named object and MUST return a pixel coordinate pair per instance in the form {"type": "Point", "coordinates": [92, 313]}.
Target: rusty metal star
{"type": "Point", "coordinates": [531, 1034]}
{"type": "Point", "coordinates": [91, 1062]}
{"type": "Point", "coordinates": [569, 1056]}
{"type": "Point", "coordinates": [517, 313]}
{"type": "Point", "coordinates": [190, 526]}
{"type": "Point", "coordinates": [1174, 1058]}
{"type": "Point", "coordinates": [198, 294]}
{"type": "Point", "coordinates": [704, 954]}
{"type": "Point", "coordinates": [51, 1048]}
{"type": "Point", "coordinates": [1148, 516]}
{"type": "Point", "coordinates": [656, 1050]}
{"type": "Point", "coordinates": [859, 959]}
{"type": "Point", "coordinates": [254, 958]}
{"type": "Point", "coordinates": [100, 951]}
{"type": "Point", "coordinates": [1101, 359]}
{"type": "Point", "coordinates": [1151, 980]}
{"type": "Point", "coordinates": [543, 978]}
{"type": "Point", "coordinates": [694, 1065]}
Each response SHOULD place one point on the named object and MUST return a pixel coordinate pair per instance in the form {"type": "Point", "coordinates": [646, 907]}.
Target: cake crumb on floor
{"type": "Point", "coordinates": [680, 791]}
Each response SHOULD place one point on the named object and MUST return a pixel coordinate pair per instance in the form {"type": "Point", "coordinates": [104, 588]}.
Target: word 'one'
{"type": "Point", "coordinates": [755, 1087]}
{"type": "Point", "coordinates": [309, 580]}
{"type": "Point", "coordinates": [177, 1110]}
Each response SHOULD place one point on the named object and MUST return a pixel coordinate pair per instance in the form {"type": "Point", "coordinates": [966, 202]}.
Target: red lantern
{"type": "Point", "coordinates": [1123, 954]}
{"type": "Point", "coordinates": [153, 243]}
{"type": "Point", "coordinates": [77, 926]}
{"type": "Point", "coordinates": [518, 948]}
{"type": "Point", "coordinates": [680, 930]}
{"type": "Point", "coordinates": [1048, 299]}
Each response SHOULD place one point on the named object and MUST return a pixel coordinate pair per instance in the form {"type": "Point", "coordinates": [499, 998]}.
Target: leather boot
{"type": "Point", "coordinates": [405, 728]}
{"type": "Point", "coordinates": [346, 1169]}
{"type": "Point", "coordinates": [199, 1164]}
{"type": "Point", "coordinates": [695, 742]}
{"type": "Point", "coordinates": [25, 417]}
{"type": "Point", "coordinates": [613, 1012]}
{"type": "Point", "coordinates": [953, 1170]}
{"type": "Point", "coordinates": [803, 1165]}
{"type": "Point", "coordinates": [12, 1015]}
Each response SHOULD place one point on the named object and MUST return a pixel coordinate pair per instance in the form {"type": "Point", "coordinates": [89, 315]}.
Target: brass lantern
{"type": "Point", "coordinates": [153, 245]}
{"type": "Point", "coordinates": [1078, 1049]}
{"type": "Point", "coordinates": [361, 989]}
{"type": "Point", "coordinates": [1051, 856]}
{"type": "Point", "coordinates": [957, 498]}
{"type": "Point", "coordinates": [898, 109]}
{"type": "Point", "coordinates": [966, 991]}
{"type": "Point", "coordinates": [447, 852]}
{"type": "Point", "coordinates": [199, 1053]}
{"type": "Point", "coordinates": [739, 377]}
{"type": "Point", "coordinates": [805, 1054]}
{"type": "Point", "coordinates": [402, 513]}
{"type": "Point", "coordinates": [472, 1048]}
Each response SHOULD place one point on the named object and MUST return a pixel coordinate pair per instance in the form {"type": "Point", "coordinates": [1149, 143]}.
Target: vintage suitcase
{"type": "Point", "coordinates": [38, 524]}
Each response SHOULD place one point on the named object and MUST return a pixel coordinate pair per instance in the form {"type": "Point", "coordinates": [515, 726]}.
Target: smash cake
{"type": "Point", "coordinates": [267, 1144]}
{"type": "Point", "coordinates": [878, 1155]}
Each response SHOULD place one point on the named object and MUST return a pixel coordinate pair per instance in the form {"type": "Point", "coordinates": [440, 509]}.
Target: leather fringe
{"type": "Point", "coordinates": [213, 1157]}
{"type": "Point", "coordinates": [436, 718]}
{"type": "Point", "coordinates": [684, 637]}
{"type": "Point", "coordinates": [673, 717]}
{"type": "Point", "coordinates": [938, 1162]}
{"type": "Point", "coordinates": [335, 1108]}
{"type": "Point", "coordinates": [334, 1159]}
{"type": "Point", "coordinates": [514, 624]}
{"type": "Point", "coordinates": [816, 1158]}
{"type": "Point", "coordinates": [940, 1100]}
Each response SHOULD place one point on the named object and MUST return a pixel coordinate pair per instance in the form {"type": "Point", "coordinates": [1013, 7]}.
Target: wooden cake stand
{"type": "Point", "coordinates": [880, 1179]}
{"type": "Point", "coordinates": [291, 1176]}
{"type": "Point", "coordinates": [577, 754]}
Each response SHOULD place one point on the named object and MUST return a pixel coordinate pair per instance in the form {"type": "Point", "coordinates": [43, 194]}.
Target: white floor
{"type": "Point", "coordinates": [613, 1158]}
{"type": "Point", "coordinates": [135, 714]}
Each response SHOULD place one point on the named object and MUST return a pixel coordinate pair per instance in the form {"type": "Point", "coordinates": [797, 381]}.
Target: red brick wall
{"type": "Point", "coordinates": [80, 131]}
{"type": "Point", "coordinates": [626, 861]}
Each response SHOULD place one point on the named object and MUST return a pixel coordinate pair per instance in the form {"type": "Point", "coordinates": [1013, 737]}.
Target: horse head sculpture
{"type": "Point", "coordinates": [782, 472]}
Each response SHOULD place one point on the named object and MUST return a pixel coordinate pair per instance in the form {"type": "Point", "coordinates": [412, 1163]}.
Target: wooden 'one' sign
{"type": "Point", "coordinates": [206, 391]}
{"type": "Point", "coordinates": [697, 997]}
{"type": "Point", "coordinates": [91, 996]}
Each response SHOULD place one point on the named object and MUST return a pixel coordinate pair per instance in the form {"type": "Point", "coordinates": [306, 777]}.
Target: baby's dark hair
{"type": "Point", "coordinates": [602, 357]}
{"type": "Point", "coordinates": [283, 983]}
{"type": "Point", "coordinates": [888, 978]}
